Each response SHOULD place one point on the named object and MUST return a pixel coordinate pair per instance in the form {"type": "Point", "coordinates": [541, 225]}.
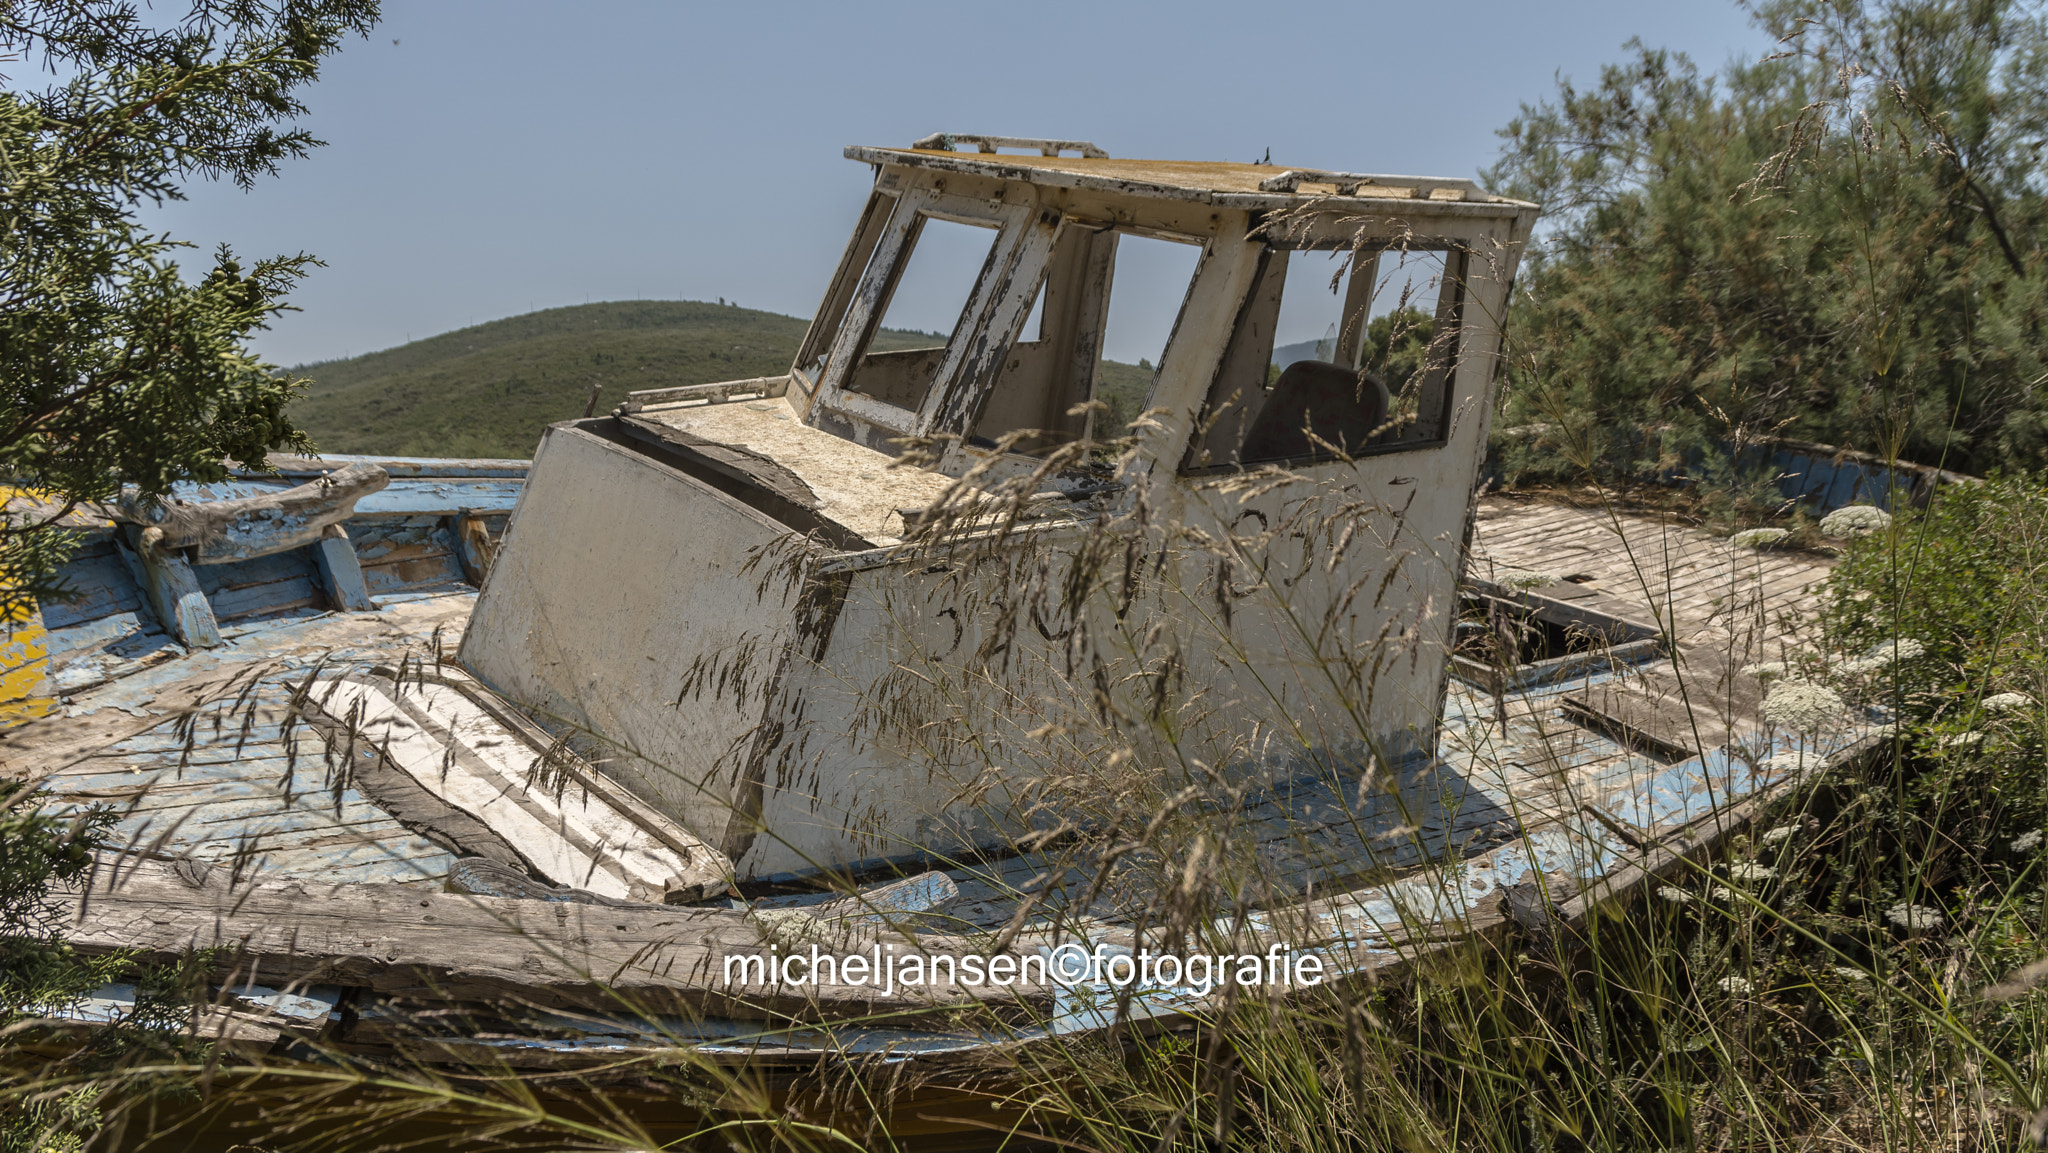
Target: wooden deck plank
{"type": "Point", "coordinates": [406, 941]}
{"type": "Point", "coordinates": [1536, 541]}
{"type": "Point", "coordinates": [1667, 571]}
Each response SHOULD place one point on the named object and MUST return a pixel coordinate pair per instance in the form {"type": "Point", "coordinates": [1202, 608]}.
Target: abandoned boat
{"type": "Point", "coordinates": [564, 762]}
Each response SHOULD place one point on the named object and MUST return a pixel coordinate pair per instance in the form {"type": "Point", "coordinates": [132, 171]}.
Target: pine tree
{"type": "Point", "coordinates": [116, 367]}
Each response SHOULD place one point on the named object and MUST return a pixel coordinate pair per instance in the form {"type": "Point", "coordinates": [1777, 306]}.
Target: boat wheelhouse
{"type": "Point", "coordinates": [764, 703]}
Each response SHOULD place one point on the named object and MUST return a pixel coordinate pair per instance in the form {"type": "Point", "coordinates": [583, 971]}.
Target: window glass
{"type": "Point", "coordinates": [1412, 295]}
{"type": "Point", "coordinates": [1311, 320]}
{"type": "Point", "coordinates": [1152, 281]}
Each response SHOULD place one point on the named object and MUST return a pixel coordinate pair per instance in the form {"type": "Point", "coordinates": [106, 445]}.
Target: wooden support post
{"type": "Point", "coordinates": [341, 574]}
{"type": "Point", "coordinates": [472, 545]}
{"type": "Point", "coordinates": [173, 590]}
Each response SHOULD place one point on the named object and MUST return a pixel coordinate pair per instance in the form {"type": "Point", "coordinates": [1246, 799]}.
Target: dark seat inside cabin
{"type": "Point", "coordinates": [1340, 405]}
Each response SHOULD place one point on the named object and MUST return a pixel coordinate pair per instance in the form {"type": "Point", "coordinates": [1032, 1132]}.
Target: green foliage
{"type": "Point", "coordinates": [1840, 243]}
{"type": "Point", "coordinates": [37, 851]}
{"type": "Point", "coordinates": [40, 974]}
{"type": "Point", "coordinates": [1123, 387]}
{"type": "Point", "coordinates": [1397, 346]}
{"type": "Point", "coordinates": [1965, 582]}
{"type": "Point", "coordinates": [490, 389]}
{"type": "Point", "coordinates": [114, 367]}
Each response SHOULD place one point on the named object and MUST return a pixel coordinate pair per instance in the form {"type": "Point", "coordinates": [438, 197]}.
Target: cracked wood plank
{"type": "Point", "coordinates": [463, 947]}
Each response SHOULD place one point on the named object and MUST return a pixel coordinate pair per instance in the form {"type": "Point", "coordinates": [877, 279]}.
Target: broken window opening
{"type": "Point", "coordinates": [1335, 353]}
{"type": "Point", "coordinates": [1034, 321]}
{"type": "Point", "coordinates": [1104, 311]}
{"type": "Point", "coordinates": [815, 353]}
{"type": "Point", "coordinates": [931, 288]}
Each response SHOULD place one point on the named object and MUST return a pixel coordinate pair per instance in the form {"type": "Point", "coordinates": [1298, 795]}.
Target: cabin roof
{"type": "Point", "coordinates": [1220, 182]}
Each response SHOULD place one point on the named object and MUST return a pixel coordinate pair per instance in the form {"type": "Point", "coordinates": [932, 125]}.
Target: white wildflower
{"type": "Point", "coordinates": [1915, 918]}
{"type": "Point", "coordinates": [1884, 656]}
{"type": "Point", "coordinates": [1962, 740]}
{"type": "Point", "coordinates": [1721, 893]}
{"type": "Point", "coordinates": [1854, 520]}
{"type": "Point", "coordinates": [1758, 537]}
{"type": "Point", "coordinates": [1781, 833]}
{"type": "Point", "coordinates": [1675, 895]}
{"type": "Point", "coordinates": [2006, 702]}
{"type": "Point", "coordinates": [1851, 973]}
{"type": "Point", "coordinates": [1767, 671]}
{"type": "Point", "coordinates": [2027, 842]}
{"type": "Point", "coordinates": [1735, 986]}
{"type": "Point", "coordinates": [1802, 706]}
{"type": "Point", "coordinates": [1750, 871]}
{"type": "Point", "coordinates": [1528, 580]}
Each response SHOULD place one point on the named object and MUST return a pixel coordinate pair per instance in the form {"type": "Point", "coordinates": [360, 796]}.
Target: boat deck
{"type": "Point", "coordinates": [227, 784]}
{"type": "Point", "coordinates": [1704, 593]}
{"type": "Point", "coordinates": [203, 761]}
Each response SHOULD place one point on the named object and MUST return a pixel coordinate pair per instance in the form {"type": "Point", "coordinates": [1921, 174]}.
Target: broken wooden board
{"type": "Point", "coordinates": [446, 947]}
{"type": "Point", "coordinates": [1681, 708]}
{"type": "Point", "coordinates": [560, 817]}
{"type": "Point", "coordinates": [222, 531]}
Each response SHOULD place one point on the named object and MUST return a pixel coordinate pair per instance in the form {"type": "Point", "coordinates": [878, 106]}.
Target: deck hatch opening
{"type": "Point", "coordinates": [1513, 637]}
{"type": "Point", "coordinates": [1503, 643]}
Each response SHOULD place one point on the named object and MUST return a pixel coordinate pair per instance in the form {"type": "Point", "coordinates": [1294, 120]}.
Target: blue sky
{"type": "Point", "coordinates": [489, 158]}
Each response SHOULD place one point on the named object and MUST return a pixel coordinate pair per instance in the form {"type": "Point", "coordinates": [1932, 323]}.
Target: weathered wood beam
{"type": "Point", "coordinates": [173, 589]}
{"type": "Point", "coordinates": [220, 531]}
{"type": "Point", "coordinates": [400, 467]}
{"type": "Point", "coordinates": [405, 942]}
{"type": "Point", "coordinates": [473, 546]}
{"type": "Point", "coordinates": [341, 573]}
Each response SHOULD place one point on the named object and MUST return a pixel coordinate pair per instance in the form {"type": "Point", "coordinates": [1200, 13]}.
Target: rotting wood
{"type": "Point", "coordinates": [174, 592]}
{"type": "Point", "coordinates": [574, 835]}
{"type": "Point", "coordinates": [455, 947]}
{"type": "Point", "coordinates": [399, 467]}
{"type": "Point", "coordinates": [217, 532]}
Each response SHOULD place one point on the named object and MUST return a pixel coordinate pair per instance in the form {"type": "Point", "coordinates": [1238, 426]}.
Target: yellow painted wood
{"type": "Point", "coordinates": [24, 670]}
{"type": "Point", "coordinates": [24, 655]}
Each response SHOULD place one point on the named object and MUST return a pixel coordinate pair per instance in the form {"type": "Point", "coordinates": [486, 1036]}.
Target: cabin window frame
{"type": "Point", "coordinates": [973, 450]}
{"type": "Point", "coordinates": [812, 356]}
{"type": "Point", "coordinates": [867, 301]}
{"type": "Point", "coordinates": [1090, 326]}
{"type": "Point", "coordinates": [1455, 295]}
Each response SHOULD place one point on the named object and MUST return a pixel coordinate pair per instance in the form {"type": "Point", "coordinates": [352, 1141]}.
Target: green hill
{"type": "Point", "coordinates": [488, 390]}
